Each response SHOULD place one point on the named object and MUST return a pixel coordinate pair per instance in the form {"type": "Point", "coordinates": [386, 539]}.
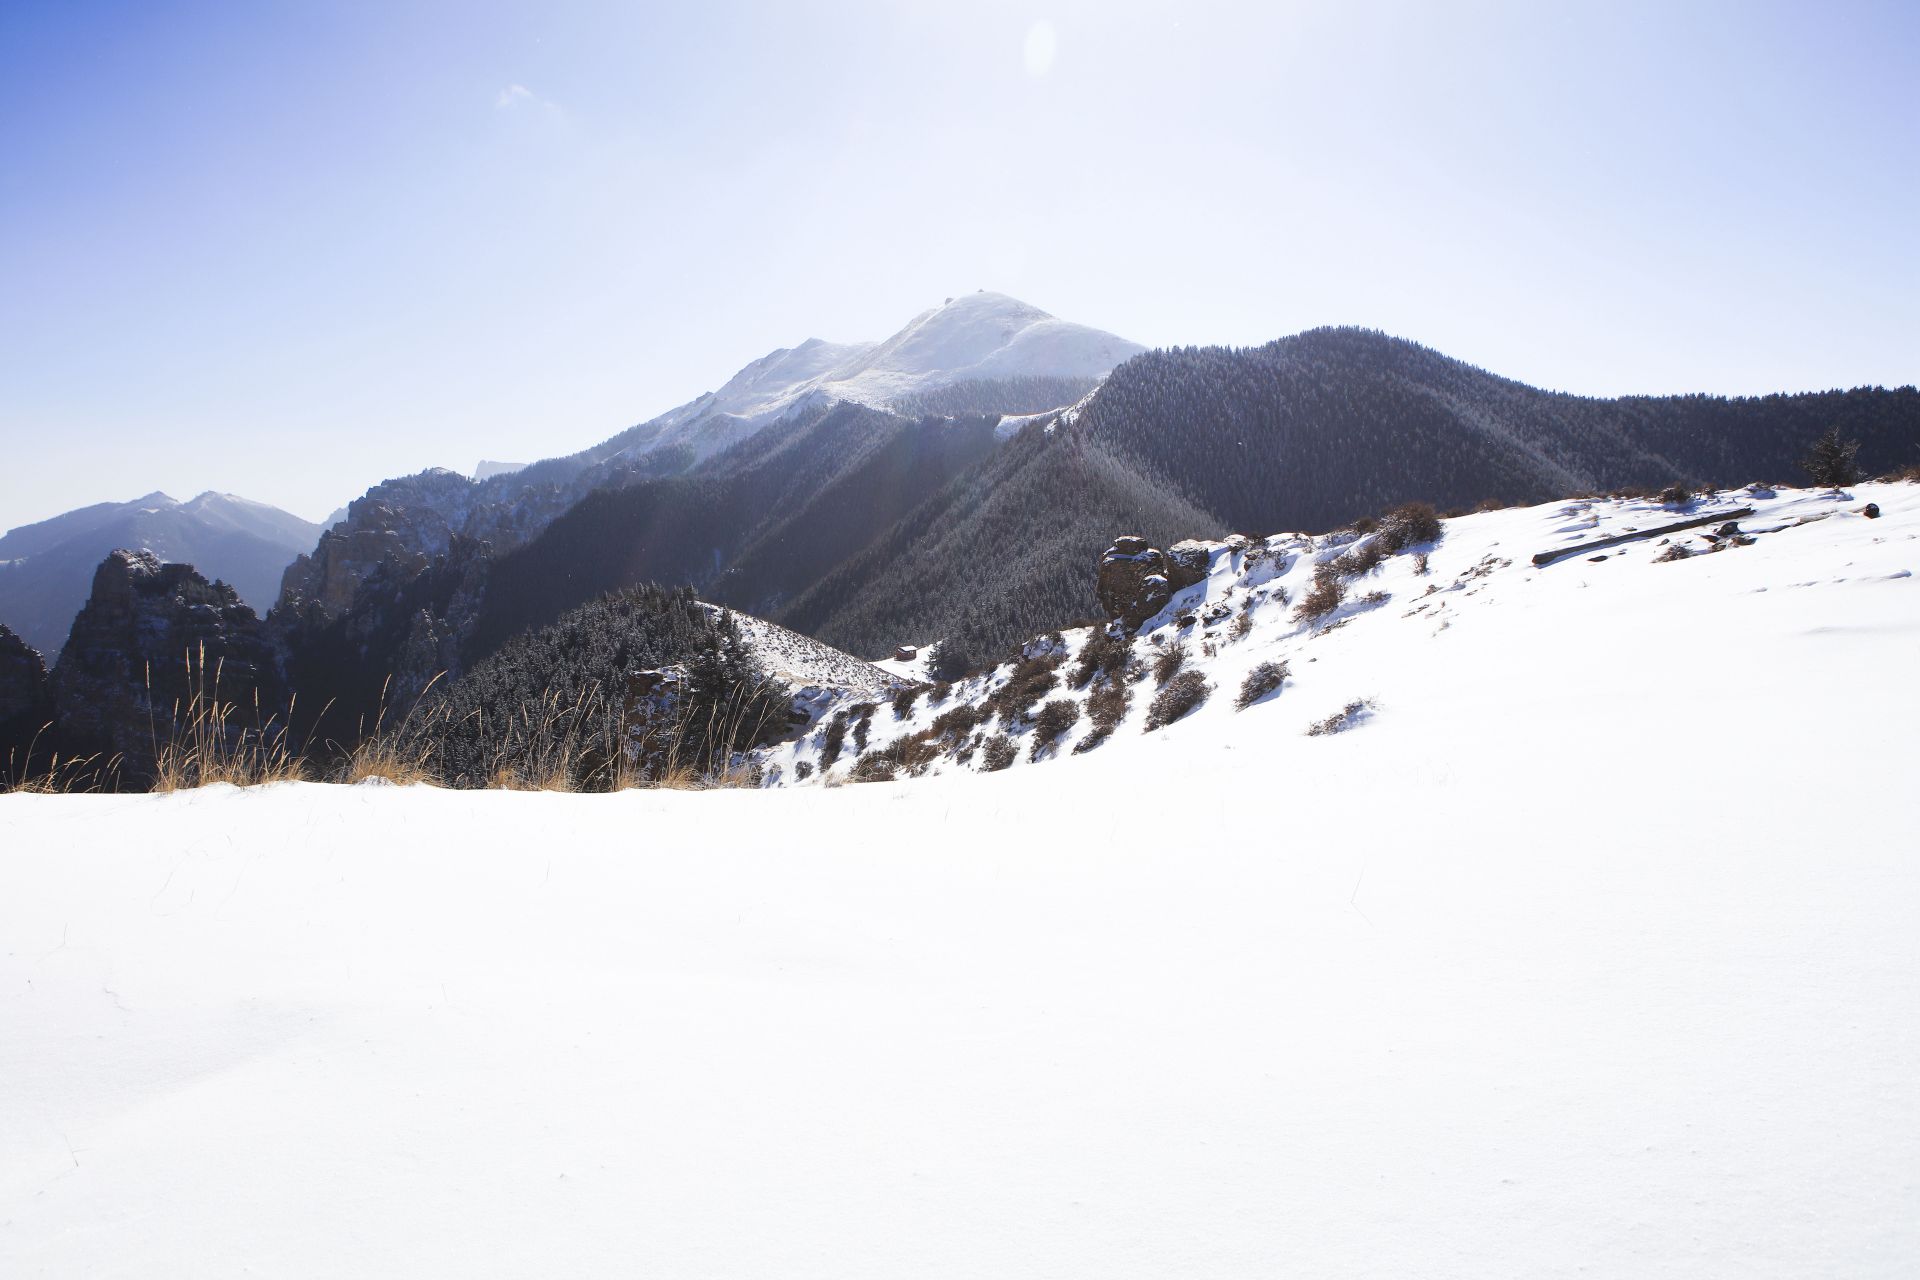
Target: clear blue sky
{"type": "Point", "coordinates": [287, 250]}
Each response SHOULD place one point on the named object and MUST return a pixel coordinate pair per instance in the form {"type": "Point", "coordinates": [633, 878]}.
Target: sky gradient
{"type": "Point", "coordinates": [286, 251]}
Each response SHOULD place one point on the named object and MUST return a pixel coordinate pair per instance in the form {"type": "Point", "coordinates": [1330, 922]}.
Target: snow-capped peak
{"type": "Point", "coordinates": [974, 337]}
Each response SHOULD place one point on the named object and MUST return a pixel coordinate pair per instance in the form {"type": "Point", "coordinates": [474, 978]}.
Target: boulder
{"type": "Point", "coordinates": [1188, 563]}
{"type": "Point", "coordinates": [1133, 582]}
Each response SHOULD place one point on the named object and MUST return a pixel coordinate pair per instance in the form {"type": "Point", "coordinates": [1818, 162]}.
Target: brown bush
{"type": "Point", "coordinates": [903, 700]}
{"type": "Point", "coordinates": [1101, 655]}
{"type": "Point", "coordinates": [1261, 681]}
{"type": "Point", "coordinates": [1343, 719]}
{"type": "Point", "coordinates": [1054, 719]}
{"type": "Point", "coordinates": [957, 721]}
{"type": "Point", "coordinates": [1030, 680]}
{"type": "Point", "coordinates": [1168, 663]}
{"type": "Point", "coordinates": [997, 753]}
{"type": "Point", "coordinates": [1676, 551]}
{"type": "Point", "coordinates": [1322, 598]}
{"type": "Point", "coordinates": [909, 755]}
{"type": "Point", "coordinates": [862, 717]}
{"type": "Point", "coordinates": [1183, 693]}
{"type": "Point", "coordinates": [832, 738]}
{"type": "Point", "coordinates": [1408, 525]}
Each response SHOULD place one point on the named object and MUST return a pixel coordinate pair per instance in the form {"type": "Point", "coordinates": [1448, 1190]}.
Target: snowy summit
{"type": "Point", "coordinates": [977, 337]}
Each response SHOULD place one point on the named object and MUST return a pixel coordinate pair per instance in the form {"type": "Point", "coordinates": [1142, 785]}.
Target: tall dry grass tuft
{"type": "Point", "coordinates": [399, 757]}
{"type": "Point", "coordinates": [58, 775]}
{"type": "Point", "coordinates": [212, 740]}
{"type": "Point", "coordinates": [592, 742]}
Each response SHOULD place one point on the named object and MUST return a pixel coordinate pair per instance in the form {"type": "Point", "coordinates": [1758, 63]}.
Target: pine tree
{"type": "Point", "coordinates": [1831, 463]}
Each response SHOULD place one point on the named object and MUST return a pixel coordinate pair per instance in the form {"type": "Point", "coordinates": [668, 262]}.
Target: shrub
{"type": "Point", "coordinates": [957, 721]}
{"type": "Point", "coordinates": [1168, 664]}
{"type": "Point", "coordinates": [1241, 628]}
{"type": "Point", "coordinates": [1103, 655]}
{"type": "Point", "coordinates": [1420, 565]}
{"type": "Point", "coordinates": [1030, 680]}
{"type": "Point", "coordinates": [1360, 560]}
{"type": "Point", "coordinates": [1261, 681]}
{"type": "Point", "coordinates": [1183, 693]}
{"type": "Point", "coordinates": [1909, 474]}
{"type": "Point", "coordinates": [832, 738]}
{"type": "Point", "coordinates": [909, 755]}
{"type": "Point", "coordinates": [998, 753]}
{"type": "Point", "coordinates": [1408, 525]}
{"type": "Point", "coordinates": [802, 770]}
{"type": "Point", "coordinates": [1343, 719]}
{"type": "Point", "coordinates": [1676, 495]}
{"type": "Point", "coordinates": [873, 768]}
{"type": "Point", "coordinates": [862, 722]}
{"type": "Point", "coordinates": [903, 700]}
{"type": "Point", "coordinates": [1675, 551]}
{"type": "Point", "coordinates": [1106, 708]}
{"type": "Point", "coordinates": [1322, 598]}
{"type": "Point", "coordinates": [1054, 719]}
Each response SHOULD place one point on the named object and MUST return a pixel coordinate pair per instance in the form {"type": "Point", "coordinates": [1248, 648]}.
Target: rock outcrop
{"type": "Point", "coordinates": [151, 640]}
{"type": "Point", "coordinates": [1187, 563]}
{"type": "Point", "coordinates": [26, 700]}
{"type": "Point", "coordinates": [1133, 582]}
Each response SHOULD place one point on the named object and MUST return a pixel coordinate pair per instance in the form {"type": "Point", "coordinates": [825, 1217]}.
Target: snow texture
{"type": "Point", "coordinates": [1591, 951]}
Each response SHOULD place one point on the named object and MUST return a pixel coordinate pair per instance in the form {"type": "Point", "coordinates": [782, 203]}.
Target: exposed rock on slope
{"type": "Point", "coordinates": [26, 698]}
{"type": "Point", "coordinates": [46, 568]}
{"type": "Point", "coordinates": [1132, 580]}
{"type": "Point", "coordinates": [150, 638]}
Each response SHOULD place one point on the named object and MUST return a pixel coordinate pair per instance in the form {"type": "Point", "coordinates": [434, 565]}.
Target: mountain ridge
{"type": "Point", "coordinates": [46, 567]}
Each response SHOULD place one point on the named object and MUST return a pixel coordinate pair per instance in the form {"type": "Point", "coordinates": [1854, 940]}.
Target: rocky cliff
{"type": "Point", "coordinates": [155, 643]}
{"type": "Point", "coordinates": [26, 700]}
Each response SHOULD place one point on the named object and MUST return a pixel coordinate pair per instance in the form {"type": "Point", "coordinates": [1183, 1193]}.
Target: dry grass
{"type": "Point", "coordinates": [211, 740]}
{"type": "Point", "coordinates": [70, 775]}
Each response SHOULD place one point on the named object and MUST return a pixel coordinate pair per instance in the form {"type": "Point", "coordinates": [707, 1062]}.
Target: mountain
{"type": "Point", "coordinates": [1308, 432]}
{"type": "Point", "coordinates": [977, 338]}
{"type": "Point", "coordinates": [1317, 429]}
{"type": "Point", "coordinates": [46, 568]}
{"type": "Point", "coordinates": [969, 512]}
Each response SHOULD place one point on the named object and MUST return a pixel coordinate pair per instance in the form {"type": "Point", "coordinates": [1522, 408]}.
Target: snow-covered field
{"type": "Point", "coordinates": [1593, 950]}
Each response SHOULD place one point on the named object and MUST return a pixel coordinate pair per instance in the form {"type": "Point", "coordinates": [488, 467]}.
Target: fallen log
{"type": "Point", "coordinates": [1548, 557]}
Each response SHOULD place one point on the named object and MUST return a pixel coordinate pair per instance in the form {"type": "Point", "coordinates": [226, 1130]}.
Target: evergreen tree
{"type": "Point", "coordinates": [1831, 462]}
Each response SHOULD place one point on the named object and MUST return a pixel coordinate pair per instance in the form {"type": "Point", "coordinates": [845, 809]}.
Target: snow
{"type": "Point", "coordinates": [1590, 950]}
{"type": "Point", "coordinates": [1479, 577]}
{"type": "Point", "coordinates": [912, 669]}
{"type": "Point", "coordinates": [819, 675]}
{"type": "Point", "coordinates": [979, 336]}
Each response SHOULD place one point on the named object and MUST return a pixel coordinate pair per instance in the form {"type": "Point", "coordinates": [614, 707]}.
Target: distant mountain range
{"type": "Point", "coordinates": [46, 569]}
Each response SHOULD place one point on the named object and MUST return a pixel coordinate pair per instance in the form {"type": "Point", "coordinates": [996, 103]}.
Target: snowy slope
{"type": "Point", "coordinates": [978, 336]}
{"type": "Point", "coordinates": [1392, 645]}
{"type": "Point", "coordinates": [1590, 952]}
